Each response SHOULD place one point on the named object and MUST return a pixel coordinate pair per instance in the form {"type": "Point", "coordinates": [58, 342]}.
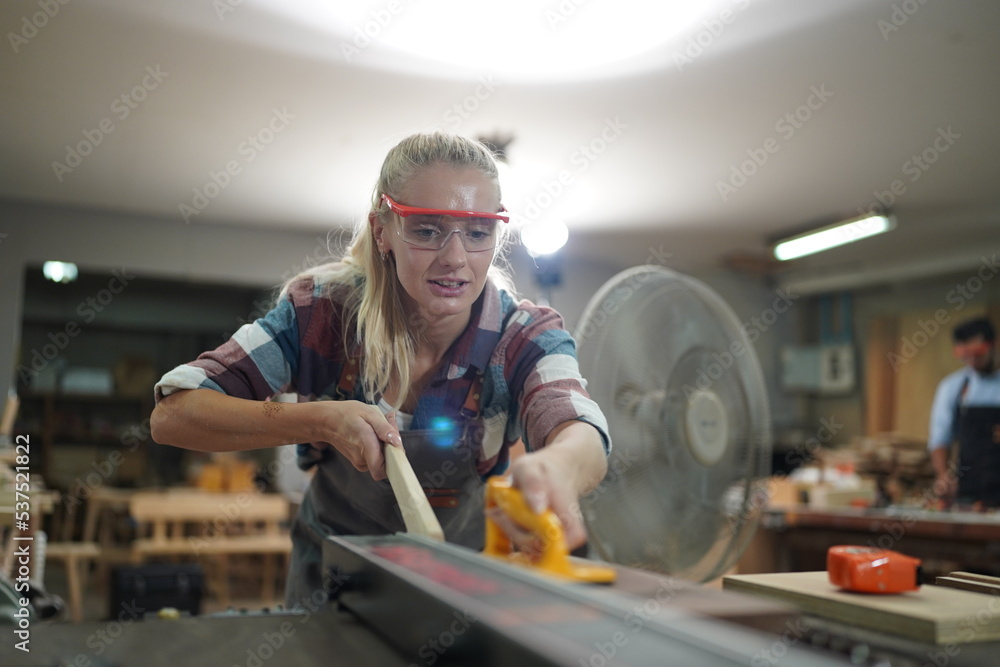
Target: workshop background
{"type": "Point", "coordinates": [187, 157]}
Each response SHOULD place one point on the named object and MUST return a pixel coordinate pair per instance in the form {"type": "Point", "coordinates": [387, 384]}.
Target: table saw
{"type": "Point", "coordinates": [407, 600]}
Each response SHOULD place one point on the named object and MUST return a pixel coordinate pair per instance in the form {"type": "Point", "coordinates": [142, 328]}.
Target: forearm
{"type": "Point", "coordinates": [939, 459]}
{"type": "Point", "coordinates": [577, 449]}
{"type": "Point", "coordinates": [571, 464]}
{"type": "Point", "coordinates": [209, 421]}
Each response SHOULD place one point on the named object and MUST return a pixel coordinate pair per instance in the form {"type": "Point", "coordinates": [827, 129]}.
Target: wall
{"type": "Point", "coordinates": [106, 242]}
{"type": "Point", "coordinates": [155, 249]}
{"type": "Point", "coordinates": [954, 296]}
{"type": "Point", "coordinates": [752, 300]}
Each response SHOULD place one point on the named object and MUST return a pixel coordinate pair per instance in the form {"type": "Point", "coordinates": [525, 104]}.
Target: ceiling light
{"type": "Point", "coordinates": [60, 272]}
{"type": "Point", "coordinates": [832, 236]}
{"type": "Point", "coordinates": [515, 40]}
{"type": "Point", "coordinates": [544, 238]}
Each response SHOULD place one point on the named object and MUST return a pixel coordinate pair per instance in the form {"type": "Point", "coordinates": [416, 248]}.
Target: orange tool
{"type": "Point", "coordinates": [872, 570]}
{"type": "Point", "coordinates": [555, 558]}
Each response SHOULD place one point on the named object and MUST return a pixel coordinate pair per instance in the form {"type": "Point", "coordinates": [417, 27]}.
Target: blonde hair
{"type": "Point", "coordinates": [373, 308]}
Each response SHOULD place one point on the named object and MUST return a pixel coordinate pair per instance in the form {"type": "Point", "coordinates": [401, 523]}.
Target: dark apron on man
{"type": "Point", "coordinates": [979, 455]}
{"type": "Point", "coordinates": [344, 501]}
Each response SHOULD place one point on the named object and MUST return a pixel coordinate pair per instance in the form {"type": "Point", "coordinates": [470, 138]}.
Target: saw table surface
{"type": "Point", "coordinates": [326, 636]}
{"type": "Point", "coordinates": [419, 592]}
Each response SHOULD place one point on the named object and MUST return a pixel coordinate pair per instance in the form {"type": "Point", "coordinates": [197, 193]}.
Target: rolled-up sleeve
{"type": "Point", "coordinates": [942, 426]}
{"type": "Point", "coordinates": [257, 362]}
{"type": "Point", "coordinates": [545, 379]}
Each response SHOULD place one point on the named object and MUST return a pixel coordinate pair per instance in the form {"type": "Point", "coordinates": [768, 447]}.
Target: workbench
{"type": "Point", "coordinates": [796, 538]}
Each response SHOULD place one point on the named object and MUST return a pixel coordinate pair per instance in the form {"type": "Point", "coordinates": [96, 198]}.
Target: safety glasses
{"type": "Point", "coordinates": [972, 349]}
{"type": "Point", "coordinates": [432, 228]}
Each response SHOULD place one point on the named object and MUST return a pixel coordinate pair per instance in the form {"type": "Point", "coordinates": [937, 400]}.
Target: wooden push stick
{"type": "Point", "coordinates": [418, 516]}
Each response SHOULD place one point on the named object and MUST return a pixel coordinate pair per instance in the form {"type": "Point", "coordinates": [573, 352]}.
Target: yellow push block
{"type": "Point", "coordinates": [555, 558]}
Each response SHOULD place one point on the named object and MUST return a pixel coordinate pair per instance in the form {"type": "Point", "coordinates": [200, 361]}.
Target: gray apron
{"type": "Point", "coordinates": [341, 500]}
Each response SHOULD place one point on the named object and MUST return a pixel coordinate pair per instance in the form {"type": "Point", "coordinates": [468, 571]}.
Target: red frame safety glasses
{"type": "Point", "coordinates": [425, 227]}
{"type": "Point", "coordinates": [973, 348]}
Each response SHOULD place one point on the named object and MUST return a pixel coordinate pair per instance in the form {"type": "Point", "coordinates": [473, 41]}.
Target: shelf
{"type": "Point", "coordinates": [78, 419]}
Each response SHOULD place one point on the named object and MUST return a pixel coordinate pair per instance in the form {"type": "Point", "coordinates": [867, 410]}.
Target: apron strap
{"type": "Point", "coordinates": [957, 413]}
{"type": "Point", "coordinates": [348, 379]}
{"type": "Point", "coordinates": [472, 408]}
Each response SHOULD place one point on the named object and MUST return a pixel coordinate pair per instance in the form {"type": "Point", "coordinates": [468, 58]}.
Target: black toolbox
{"type": "Point", "coordinates": [145, 589]}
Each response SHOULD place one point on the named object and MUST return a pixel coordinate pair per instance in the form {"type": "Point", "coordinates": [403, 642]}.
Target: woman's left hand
{"type": "Point", "coordinates": [544, 488]}
{"type": "Point", "coordinates": [554, 477]}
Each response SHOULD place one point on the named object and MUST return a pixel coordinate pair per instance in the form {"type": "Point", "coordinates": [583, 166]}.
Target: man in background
{"type": "Point", "coordinates": [966, 410]}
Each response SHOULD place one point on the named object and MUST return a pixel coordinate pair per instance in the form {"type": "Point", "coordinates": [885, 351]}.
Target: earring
{"type": "Point", "coordinates": [383, 256]}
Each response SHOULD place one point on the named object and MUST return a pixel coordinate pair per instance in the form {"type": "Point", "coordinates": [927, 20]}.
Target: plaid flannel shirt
{"type": "Point", "coordinates": [531, 381]}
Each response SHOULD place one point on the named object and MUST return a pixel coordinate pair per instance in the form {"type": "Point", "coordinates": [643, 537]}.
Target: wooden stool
{"type": "Point", "coordinates": [75, 555]}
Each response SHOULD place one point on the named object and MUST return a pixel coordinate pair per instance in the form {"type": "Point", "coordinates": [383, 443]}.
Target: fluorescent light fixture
{"type": "Point", "coordinates": [60, 272]}
{"type": "Point", "coordinates": [832, 236]}
{"type": "Point", "coordinates": [544, 238]}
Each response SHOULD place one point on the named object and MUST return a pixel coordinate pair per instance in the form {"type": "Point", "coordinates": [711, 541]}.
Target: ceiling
{"type": "Point", "coordinates": [821, 105]}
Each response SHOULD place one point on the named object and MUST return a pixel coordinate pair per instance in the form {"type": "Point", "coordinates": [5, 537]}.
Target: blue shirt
{"type": "Point", "coordinates": [982, 391]}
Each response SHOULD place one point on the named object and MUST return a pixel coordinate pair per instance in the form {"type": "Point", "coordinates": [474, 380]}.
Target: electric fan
{"type": "Point", "coordinates": [671, 366]}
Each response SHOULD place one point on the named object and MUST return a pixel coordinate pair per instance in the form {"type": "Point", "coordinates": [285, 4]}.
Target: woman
{"type": "Point", "coordinates": [409, 340]}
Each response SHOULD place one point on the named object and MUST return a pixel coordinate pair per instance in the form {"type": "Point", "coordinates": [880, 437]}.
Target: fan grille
{"type": "Point", "coordinates": [685, 484]}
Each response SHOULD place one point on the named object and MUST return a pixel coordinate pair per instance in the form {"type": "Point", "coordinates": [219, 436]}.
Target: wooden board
{"type": "Point", "coordinates": [933, 614]}
{"type": "Point", "coordinates": [880, 378]}
{"type": "Point", "coordinates": [418, 516]}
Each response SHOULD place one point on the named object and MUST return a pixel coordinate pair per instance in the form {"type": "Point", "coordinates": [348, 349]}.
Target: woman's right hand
{"type": "Point", "coordinates": [357, 430]}
{"type": "Point", "coordinates": [210, 421]}
{"type": "Point", "coordinates": [944, 490]}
